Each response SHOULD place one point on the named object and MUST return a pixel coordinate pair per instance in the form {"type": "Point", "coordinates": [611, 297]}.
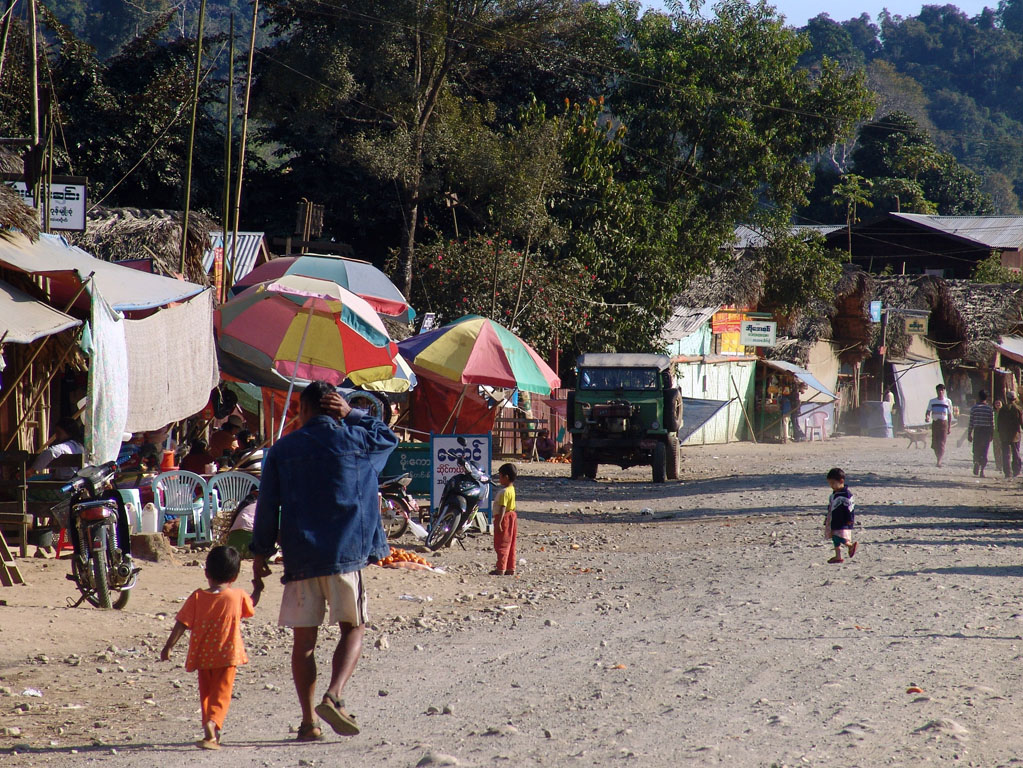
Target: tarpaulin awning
{"type": "Point", "coordinates": [124, 289]}
{"type": "Point", "coordinates": [1011, 347]}
{"type": "Point", "coordinates": [695, 413]}
{"type": "Point", "coordinates": [915, 383]}
{"type": "Point", "coordinates": [802, 374]}
{"type": "Point", "coordinates": [24, 319]}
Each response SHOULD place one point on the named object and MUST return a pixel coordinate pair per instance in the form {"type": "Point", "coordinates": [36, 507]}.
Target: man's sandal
{"type": "Point", "coordinates": [332, 711]}
{"type": "Point", "coordinates": [309, 732]}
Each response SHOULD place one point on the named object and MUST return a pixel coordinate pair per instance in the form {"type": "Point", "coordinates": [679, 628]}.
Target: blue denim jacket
{"type": "Point", "coordinates": [318, 496]}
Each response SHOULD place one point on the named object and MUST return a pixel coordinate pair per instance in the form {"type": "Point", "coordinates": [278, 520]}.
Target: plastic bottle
{"type": "Point", "coordinates": [149, 518]}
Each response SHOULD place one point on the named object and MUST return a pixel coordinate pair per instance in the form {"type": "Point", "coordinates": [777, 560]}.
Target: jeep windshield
{"type": "Point", "coordinates": [619, 378]}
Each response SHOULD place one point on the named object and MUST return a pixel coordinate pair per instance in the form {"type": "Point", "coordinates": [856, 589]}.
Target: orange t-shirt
{"type": "Point", "coordinates": [215, 621]}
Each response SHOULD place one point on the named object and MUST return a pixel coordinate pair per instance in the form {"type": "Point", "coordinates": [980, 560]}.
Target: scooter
{"type": "Point", "coordinates": [459, 505]}
{"type": "Point", "coordinates": [97, 523]}
{"type": "Point", "coordinates": [397, 507]}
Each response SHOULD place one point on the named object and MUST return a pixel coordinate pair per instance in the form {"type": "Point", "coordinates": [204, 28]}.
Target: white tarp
{"type": "Point", "coordinates": [915, 383]}
{"type": "Point", "coordinates": [107, 406]}
{"type": "Point", "coordinates": [123, 288]}
{"type": "Point", "coordinates": [24, 319]}
{"type": "Point", "coordinates": [172, 361]}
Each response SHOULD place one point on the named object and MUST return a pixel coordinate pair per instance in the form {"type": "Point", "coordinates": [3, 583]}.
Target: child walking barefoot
{"type": "Point", "coordinates": [838, 525]}
{"type": "Point", "coordinates": [215, 647]}
{"type": "Point", "coordinates": [506, 525]}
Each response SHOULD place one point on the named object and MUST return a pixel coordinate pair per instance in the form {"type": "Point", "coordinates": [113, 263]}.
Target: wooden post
{"type": "Point", "coordinates": [226, 227]}
{"type": "Point", "coordinates": [5, 32]}
{"type": "Point", "coordinates": [244, 136]}
{"type": "Point", "coordinates": [191, 136]}
{"type": "Point", "coordinates": [742, 405]}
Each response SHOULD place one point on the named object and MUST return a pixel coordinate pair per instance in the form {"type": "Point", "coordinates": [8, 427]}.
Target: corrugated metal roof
{"type": "Point", "coordinates": [249, 246]}
{"type": "Point", "coordinates": [685, 321]}
{"type": "Point", "coordinates": [989, 231]}
{"type": "Point", "coordinates": [750, 238]}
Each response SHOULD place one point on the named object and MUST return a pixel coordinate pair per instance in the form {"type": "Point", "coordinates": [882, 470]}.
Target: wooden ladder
{"type": "Point", "coordinates": [9, 573]}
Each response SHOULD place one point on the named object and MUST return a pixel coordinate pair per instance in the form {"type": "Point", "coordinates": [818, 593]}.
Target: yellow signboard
{"type": "Point", "coordinates": [916, 326]}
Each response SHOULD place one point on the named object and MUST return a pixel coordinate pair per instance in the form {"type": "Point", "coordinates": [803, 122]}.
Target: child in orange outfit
{"type": "Point", "coordinates": [215, 647]}
{"type": "Point", "coordinates": [505, 522]}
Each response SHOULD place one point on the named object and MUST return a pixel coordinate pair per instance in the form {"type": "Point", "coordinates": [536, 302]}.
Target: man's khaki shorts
{"type": "Point", "coordinates": [304, 602]}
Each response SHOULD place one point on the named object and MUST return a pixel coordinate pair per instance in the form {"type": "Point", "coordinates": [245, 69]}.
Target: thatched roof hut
{"type": "Point", "coordinates": [122, 234]}
{"type": "Point", "coordinates": [14, 214]}
{"type": "Point", "coordinates": [947, 329]}
{"type": "Point", "coordinates": [988, 311]}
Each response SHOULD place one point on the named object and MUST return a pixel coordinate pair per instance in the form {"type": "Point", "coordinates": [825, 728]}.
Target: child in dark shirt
{"type": "Point", "coordinates": [838, 525]}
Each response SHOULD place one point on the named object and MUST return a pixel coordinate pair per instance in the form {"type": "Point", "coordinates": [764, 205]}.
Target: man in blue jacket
{"type": "Point", "coordinates": [318, 499]}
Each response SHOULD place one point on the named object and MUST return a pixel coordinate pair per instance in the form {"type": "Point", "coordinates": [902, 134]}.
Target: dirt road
{"type": "Point", "coordinates": [692, 623]}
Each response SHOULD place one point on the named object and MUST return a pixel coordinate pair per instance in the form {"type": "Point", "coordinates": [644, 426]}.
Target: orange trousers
{"type": "Point", "coordinates": [215, 687]}
{"type": "Point", "coordinates": [504, 541]}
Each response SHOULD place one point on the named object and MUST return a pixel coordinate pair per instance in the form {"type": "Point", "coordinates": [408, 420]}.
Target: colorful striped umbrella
{"type": "Point", "coordinates": [476, 350]}
{"type": "Point", "coordinates": [305, 328]}
{"type": "Point", "coordinates": [359, 277]}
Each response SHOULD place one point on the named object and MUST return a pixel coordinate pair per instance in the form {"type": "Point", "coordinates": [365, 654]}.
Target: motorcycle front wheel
{"type": "Point", "coordinates": [397, 524]}
{"type": "Point", "coordinates": [444, 527]}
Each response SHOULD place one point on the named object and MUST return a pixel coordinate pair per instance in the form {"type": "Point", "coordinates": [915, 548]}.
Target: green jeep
{"type": "Point", "coordinates": [625, 410]}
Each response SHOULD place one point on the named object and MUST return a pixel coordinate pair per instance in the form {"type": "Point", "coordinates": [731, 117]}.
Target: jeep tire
{"type": "Point", "coordinates": [578, 461]}
{"type": "Point", "coordinates": [659, 463]}
{"type": "Point", "coordinates": [674, 458]}
{"type": "Point", "coordinates": [672, 411]}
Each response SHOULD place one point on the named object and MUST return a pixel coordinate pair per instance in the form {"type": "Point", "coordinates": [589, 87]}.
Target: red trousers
{"type": "Point", "coordinates": [504, 541]}
{"type": "Point", "coordinates": [215, 686]}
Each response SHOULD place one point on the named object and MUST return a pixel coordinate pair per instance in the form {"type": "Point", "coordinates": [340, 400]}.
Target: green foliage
{"type": "Point", "coordinates": [990, 270]}
{"type": "Point", "coordinates": [480, 276]}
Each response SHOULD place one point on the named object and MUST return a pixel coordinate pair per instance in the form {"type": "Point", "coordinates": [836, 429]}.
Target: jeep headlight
{"type": "Point", "coordinates": [578, 424]}
{"type": "Point", "coordinates": [655, 424]}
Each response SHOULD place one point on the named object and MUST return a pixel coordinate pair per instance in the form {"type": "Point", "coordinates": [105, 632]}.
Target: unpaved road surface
{"type": "Point", "coordinates": [692, 623]}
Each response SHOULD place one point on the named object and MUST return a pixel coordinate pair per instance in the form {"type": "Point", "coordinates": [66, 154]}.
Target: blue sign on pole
{"type": "Point", "coordinates": [875, 311]}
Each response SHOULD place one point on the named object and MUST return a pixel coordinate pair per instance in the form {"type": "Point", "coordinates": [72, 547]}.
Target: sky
{"type": "Point", "coordinates": [798, 12]}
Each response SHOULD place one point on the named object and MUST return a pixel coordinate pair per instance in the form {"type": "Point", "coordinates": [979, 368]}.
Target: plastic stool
{"type": "Point", "coordinates": [63, 542]}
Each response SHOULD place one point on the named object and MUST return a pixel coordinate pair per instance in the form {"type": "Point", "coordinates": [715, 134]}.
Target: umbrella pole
{"type": "Point", "coordinates": [456, 409]}
{"type": "Point", "coordinates": [291, 384]}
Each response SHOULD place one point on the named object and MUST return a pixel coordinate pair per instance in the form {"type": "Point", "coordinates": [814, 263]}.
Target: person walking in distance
{"type": "Point", "coordinates": [1010, 421]}
{"type": "Point", "coordinates": [996, 441]}
{"type": "Point", "coordinates": [318, 497]}
{"type": "Point", "coordinates": [841, 517]}
{"type": "Point", "coordinates": [939, 414]}
{"type": "Point", "coordinates": [982, 427]}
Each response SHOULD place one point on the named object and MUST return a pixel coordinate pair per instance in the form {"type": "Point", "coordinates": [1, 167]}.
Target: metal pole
{"type": "Point", "coordinates": [34, 45]}
{"type": "Point", "coordinates": [294, 374]}
{"type": "Point", "coordinates": [227, 167]}
{"type": "Point", "coordinates": [241, 149]}
{"type": "Point", "coordinates": [191, 136]}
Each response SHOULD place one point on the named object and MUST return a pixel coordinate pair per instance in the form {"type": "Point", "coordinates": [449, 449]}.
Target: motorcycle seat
{"type": "Point", "coordinates": [392, 479]}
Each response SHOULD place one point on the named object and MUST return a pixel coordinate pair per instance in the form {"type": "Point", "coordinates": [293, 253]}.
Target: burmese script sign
{"type": "Point", "coordinates": [67, 200]}
{"type": "Point", "coordinates": [758, 333]}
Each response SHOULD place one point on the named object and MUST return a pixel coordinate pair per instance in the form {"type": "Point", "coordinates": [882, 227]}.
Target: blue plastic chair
{"type": "Point", "coordinates": [186, 496]}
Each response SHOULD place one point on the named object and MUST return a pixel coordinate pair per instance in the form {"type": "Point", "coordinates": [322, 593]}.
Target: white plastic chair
{"type": "Point", "coordinates": [816, 424]}
{"type": "Point", "coordinates": [232, 487]}
{"type": "Point", "coordinates": [184, 495]}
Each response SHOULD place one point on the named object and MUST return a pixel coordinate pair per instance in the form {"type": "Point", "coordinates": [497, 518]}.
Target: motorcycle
{"type": "Point", "coordinates": [397, 507]}
{"type": "Point", "coordinates": [459, 506]}
{"type": "Point", "coordinates": [96, 520]}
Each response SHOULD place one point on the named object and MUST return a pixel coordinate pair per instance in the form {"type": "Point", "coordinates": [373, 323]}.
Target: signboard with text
{"type": "Point", "coordinates": [68, 195]}
{"type": "Point", "coordinates": [758, 333]}
{"type": "Point", "coordinates": [445, 452]}
{"type": "Point", "coordinates": [916, 326]}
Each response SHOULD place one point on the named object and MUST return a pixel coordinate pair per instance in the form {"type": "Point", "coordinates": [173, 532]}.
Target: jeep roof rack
{"type": "Point", "coordinates": [623, 360]}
